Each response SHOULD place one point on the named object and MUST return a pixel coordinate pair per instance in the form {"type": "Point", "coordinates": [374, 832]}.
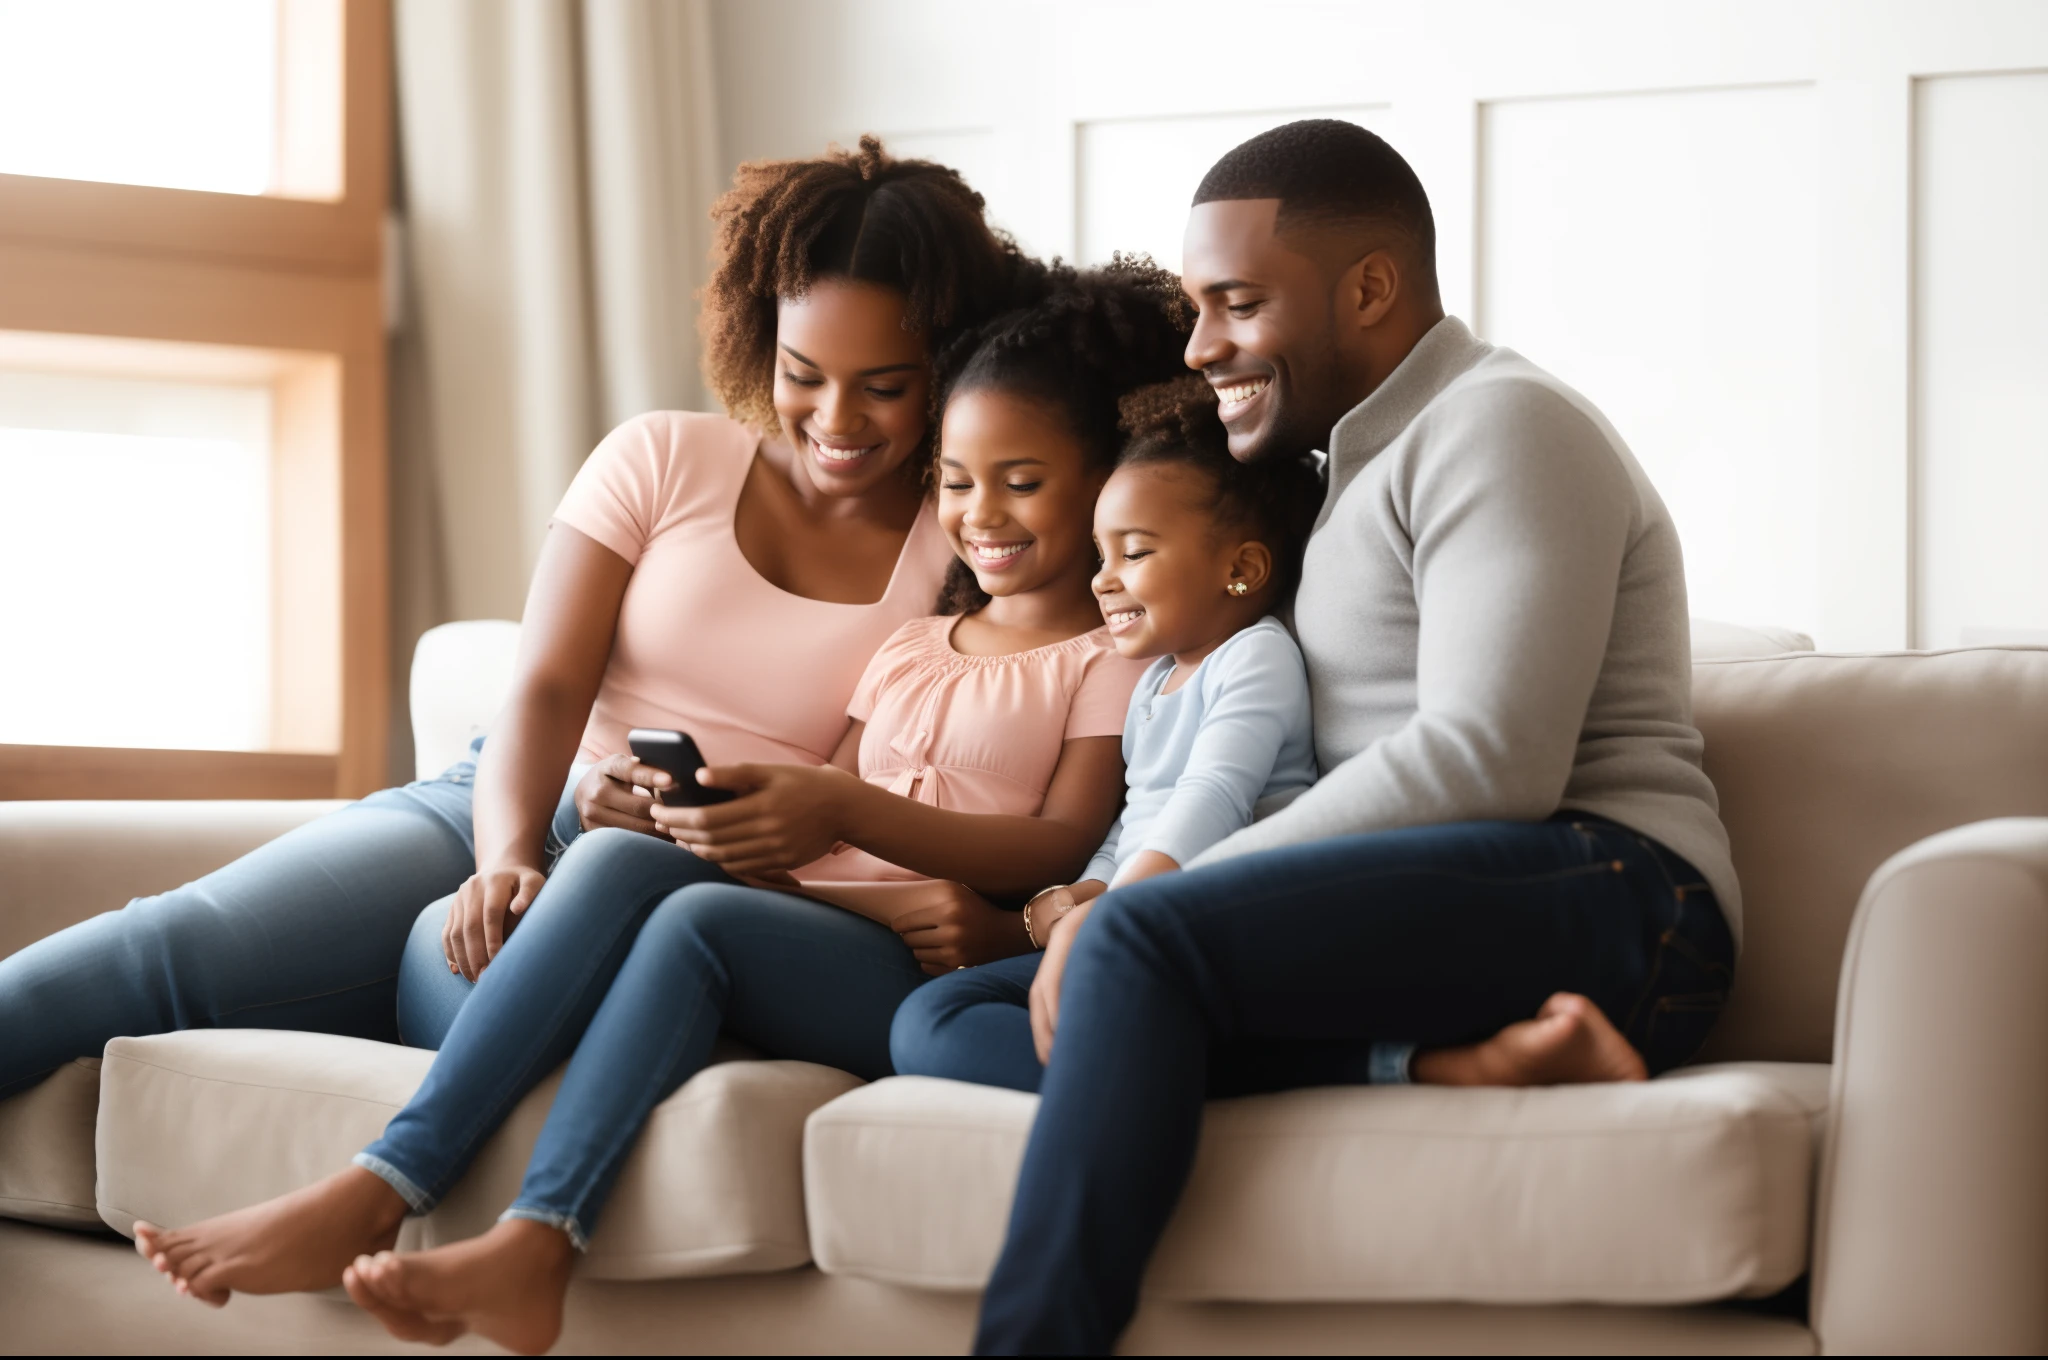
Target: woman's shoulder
{"type": "Point", "coordinates": [665, 464]}
{"type": "Point", "coordinates": [693, 435]}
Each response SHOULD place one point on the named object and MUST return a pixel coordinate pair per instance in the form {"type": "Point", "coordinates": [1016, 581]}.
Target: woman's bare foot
{"type": "Point", "coordinates": [303, 1240]}
{"type": "Point", "coordinates": [1568, 1041]}
{"type": "Point", "coordinates": [505, 1286]}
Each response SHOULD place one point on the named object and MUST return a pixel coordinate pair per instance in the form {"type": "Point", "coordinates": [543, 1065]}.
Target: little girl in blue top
{"type": "Point", "coordinates": [1198, 551]}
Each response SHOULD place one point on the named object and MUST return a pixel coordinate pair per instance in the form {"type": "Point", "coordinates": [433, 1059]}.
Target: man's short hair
{"type": "Point", "coordinates": [1326, 171]}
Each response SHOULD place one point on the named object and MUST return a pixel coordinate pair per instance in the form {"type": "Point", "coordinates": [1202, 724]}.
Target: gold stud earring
{"type": "Point", "coordinates": [1238, 588]}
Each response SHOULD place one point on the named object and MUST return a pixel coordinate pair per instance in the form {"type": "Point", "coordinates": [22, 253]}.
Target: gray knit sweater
{"type": "Point", "coordinates": [1493, 614]}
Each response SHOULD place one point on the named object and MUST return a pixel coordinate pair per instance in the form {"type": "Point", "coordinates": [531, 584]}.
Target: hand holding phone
{"type": "Point", "coordinates": [676, 754]}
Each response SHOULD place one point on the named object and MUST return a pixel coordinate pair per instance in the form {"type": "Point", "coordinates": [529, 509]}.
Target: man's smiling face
{"type": "Point", "coordinates": [1265, 334]}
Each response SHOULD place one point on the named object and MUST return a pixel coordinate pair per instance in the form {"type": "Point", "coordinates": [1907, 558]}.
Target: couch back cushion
{"type": "Point", "coordinates": [1828, 765]}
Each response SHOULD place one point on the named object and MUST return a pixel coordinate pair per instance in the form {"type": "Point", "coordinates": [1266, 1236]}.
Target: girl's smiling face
{"type": "Point", "coordinates": [1015, 492]}
{"type": "Point", "coordinates": [1168, 568]}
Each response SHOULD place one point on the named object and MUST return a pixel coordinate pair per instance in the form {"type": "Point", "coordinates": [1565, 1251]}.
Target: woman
{"type": "Point", "coordinates": [835, 279]}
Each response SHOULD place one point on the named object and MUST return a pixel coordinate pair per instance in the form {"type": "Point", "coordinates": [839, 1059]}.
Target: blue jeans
{"type": "Point", "coordinates": [305, 932]}
{"type": "Point", "coordinates": [627, 966]}
{"type": "Point", "coordinates": [1282, 969]}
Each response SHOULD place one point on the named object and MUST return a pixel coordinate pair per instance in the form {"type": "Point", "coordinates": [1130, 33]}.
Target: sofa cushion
{"type": "Point", "coordinates": [197, 1123]}
{"type": "Point", "coordinates": [1829, 765]}
{"type": "Point", "coordinates": [46, 1148]}
{"type": "Point", "coordinates": [1692, 1187]}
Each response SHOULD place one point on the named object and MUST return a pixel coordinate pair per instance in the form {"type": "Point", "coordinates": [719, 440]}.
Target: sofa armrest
{"type": "Point", "coordinates": [61, 862]}
{"type": "Point", "coordinates": [1932, 1231]}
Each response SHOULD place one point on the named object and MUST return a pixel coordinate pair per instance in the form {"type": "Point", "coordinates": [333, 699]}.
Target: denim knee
{"type": "Point", "coordinates": [920, 1041]}
{"type": "Point", "coordinates": [691, 918]}
{"type": "Point", "coordinates": [429, 991]}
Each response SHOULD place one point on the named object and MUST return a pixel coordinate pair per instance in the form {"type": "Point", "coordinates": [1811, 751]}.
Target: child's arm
{"type": "Point", "coordinates": [1143, 865]}
{"type": "Point", "coordinates": [789, 815]}
{"type": "Point", "coordinates": [1256, 700]}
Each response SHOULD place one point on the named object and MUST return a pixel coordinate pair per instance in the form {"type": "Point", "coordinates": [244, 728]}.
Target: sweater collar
{"type": "Point", "coordinates": [1444, 353]}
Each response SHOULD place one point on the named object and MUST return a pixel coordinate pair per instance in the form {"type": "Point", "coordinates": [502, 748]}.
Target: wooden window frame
{"type": "Point", "coordinates": [302, 280]}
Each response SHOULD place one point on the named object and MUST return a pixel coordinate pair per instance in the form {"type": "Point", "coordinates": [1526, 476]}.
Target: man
{"type": "Point", "coordinates": [1512, 804]}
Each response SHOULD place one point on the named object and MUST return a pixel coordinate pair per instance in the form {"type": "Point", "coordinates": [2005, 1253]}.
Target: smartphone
{"type": "Point", "coordinates": [676, 753]}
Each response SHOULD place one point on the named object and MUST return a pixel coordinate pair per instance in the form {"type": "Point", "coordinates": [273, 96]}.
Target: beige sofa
{"type": "Point", "coordinates": [1872, 1116]}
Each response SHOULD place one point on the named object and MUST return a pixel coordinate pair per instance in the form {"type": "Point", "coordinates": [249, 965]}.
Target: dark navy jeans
{"type": "Point", "coordinates": [1282, 970]}
{"type": "Point", "coordinates": [305, 932]}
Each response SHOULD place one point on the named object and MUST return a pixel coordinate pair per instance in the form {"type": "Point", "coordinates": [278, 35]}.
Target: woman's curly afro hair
{"type": "Point", "coordinates": [1275, 499]}
{"type": "Point", "coordinates": [1091, 339]}
{"type": "Point", "coordinates": [913, 226]}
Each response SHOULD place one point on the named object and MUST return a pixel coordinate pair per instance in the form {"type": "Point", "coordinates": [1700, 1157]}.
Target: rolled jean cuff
{"type": "Point", "coordinates": [1387, 1064]}
{"type": "Point", "coordinates": [416, 1199]}
{"type": "Point", "coordinates": [565, 1224]}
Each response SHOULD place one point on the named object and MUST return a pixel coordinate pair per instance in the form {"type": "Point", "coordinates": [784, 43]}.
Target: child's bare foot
{"type": "Point", "coordinates": [1568, 1041]}
{"type": "Point", "coordinates": [505, 1286]}
{"type": "Point", "coordinates": [303, 1240]}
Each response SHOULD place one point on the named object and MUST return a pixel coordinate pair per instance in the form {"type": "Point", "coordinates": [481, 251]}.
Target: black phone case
{"type": "Point", "coordinates": [681, 760]}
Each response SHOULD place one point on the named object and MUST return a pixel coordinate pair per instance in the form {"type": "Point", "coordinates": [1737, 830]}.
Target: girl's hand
{"type": "Point", "coordinates": [960, 930]}
{"type": "Point", "coordinates": [1050, 906]}
{"type": "Point", "coordinates": [612, 795]}
{"type": "Point", "coordinates": [786, 816]}
{"type": "Point", "coordinates": [485, 909]}
{"type": "Point", "coordinates": [1045, 988]}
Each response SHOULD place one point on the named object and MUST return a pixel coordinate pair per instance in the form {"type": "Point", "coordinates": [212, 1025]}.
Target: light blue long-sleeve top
{"type": "Point", "coordinates": [1198, 761]}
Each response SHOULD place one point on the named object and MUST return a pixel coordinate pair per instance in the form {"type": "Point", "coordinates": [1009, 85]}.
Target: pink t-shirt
{"type": "Point", "coordinates": [975, 734]}
{"type": "Point", "coordinates": [705, 644]}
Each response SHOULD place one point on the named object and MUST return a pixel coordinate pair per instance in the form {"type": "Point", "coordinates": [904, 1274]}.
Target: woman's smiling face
{"type": "Point", "coordinates": [1016, 494]}
{"type": "Point", "coordinates": [851, 384]}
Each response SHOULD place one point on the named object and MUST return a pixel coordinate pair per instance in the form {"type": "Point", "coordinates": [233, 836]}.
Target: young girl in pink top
{"type": "Point", "coordinates": [982, 758]}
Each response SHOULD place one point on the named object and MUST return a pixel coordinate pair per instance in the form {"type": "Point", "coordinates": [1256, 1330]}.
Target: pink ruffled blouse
{"type": "Point", "coordinates": [977, 734]}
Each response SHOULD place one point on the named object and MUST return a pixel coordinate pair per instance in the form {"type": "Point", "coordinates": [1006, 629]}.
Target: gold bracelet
{"type": "Point", "coordinates": [1029, 934]}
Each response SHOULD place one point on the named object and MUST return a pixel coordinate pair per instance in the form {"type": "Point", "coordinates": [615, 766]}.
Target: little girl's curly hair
{"type": "Point", "coordinates": [913, 226]}
{"type": "Point", "coordinates": [1092, 338]}
{"type": "Point", "coordinates": [1276, 499]}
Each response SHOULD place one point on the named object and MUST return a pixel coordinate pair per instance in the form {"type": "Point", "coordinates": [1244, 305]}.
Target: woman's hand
{"type": "Point", "coordinates": [613, 794]}
{"type": "Point", "coordinates": [1045, 988]}
{"type": "Point", "coordinates": [786, 816]}
{"type": "Point", "coordinates": [960, 929]}
{"type": "Point", "coordinates": [486, 908]}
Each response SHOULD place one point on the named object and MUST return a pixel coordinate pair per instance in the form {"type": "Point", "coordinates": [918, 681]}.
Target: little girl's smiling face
{"type": "Point", "coordinates": [1014, 493]}
{"type": "Point", "coordinates": [1170, 572]}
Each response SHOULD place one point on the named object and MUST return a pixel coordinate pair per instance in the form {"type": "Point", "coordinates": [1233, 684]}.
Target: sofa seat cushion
{"type": "Point", "coordinates": [46, 1173]}
{"type": "Point", "coordinates": [1692, 1187]}
{"type": "Point", "coordinates": [194, 1124]}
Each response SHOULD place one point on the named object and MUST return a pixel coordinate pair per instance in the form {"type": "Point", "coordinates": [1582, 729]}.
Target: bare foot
{"type": "Point", "coordinates": [1568, 1041]}
{"type": "Point", "coordinates": [303, 1240]}
{"type": "Point", "coordinates": [505, 1286]}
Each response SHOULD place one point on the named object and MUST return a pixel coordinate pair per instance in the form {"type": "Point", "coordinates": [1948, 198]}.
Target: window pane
{"type": "Point", "coordinates": [182, 95]}
{"type": "Point", "coordinates": [135, 543]}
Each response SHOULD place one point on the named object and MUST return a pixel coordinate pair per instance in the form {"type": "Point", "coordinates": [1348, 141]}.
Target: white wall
{"type": "Point", "coordinates": [1792, 247]}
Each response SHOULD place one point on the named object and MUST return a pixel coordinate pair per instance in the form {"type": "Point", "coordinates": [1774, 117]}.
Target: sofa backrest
{"type": "Point", "coordinates": [461, 673]}
{"type": "Point", "coordinates": [1827, 765]}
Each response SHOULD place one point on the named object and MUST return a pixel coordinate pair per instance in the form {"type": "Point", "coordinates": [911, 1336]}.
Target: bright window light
{"type": "Point", "coordinates": [180, 95]}
{"type": "Point", "coordinates": [135, 540]}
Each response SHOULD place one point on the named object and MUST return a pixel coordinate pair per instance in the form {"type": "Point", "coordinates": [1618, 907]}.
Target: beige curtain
{"type": "Point", "coordinates": [557, 161]}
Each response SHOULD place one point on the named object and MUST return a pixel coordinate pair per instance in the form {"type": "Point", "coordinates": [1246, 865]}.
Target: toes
{"type": "Point", "coordinates": [202, 1282]}
{"type": "Point", "coordinates": [1568, 1004]}
{"type": "Point", "coordinates": [377, 1285]}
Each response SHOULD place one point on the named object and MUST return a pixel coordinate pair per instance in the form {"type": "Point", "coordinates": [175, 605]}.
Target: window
{"type": "Point", "coordinates": [191, 398]}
